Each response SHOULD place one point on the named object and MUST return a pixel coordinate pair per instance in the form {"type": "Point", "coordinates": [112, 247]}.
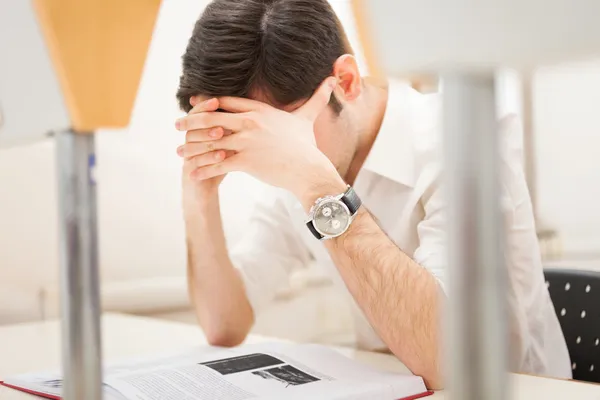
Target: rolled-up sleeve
{"type": "Point", "coordinates": [432, 250]}
{"type": "Point", "coordinates": [268, 252]}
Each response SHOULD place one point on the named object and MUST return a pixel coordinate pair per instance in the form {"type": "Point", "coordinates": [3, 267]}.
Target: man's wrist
{"type": "Point", "coordinates": [326, 182]}
{"type": "Point", "coordinates": [200, 206]}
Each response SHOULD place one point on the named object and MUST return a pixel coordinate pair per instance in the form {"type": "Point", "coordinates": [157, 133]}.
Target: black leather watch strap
{"type": "Point", "coordinates": [313, 230]}
{"type": "Point", "coordinates": [351, 200]}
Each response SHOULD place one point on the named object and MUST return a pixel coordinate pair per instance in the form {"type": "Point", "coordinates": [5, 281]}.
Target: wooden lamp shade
{"type": "Point", "coordinates": [98, 48]}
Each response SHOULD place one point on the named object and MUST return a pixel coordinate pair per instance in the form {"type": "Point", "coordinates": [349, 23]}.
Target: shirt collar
{"type": "Point", "coordinates": [392, 154]}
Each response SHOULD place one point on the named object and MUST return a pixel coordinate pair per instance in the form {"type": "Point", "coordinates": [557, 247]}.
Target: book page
{"type": "Point", "coordinates": [265, 371]}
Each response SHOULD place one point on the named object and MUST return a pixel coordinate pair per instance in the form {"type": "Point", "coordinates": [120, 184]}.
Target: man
{"type": "Point", "coordinates": [272, 89]}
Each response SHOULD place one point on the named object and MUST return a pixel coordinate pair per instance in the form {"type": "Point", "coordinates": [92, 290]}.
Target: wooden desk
{"type": "Point", "coordinates": [36, 346]}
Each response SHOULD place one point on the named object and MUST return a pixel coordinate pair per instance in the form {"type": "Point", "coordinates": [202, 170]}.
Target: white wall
{"type": "Point", "coordinates": [28, 216]}
{"type": "Point", "coordinates": [567, 119]}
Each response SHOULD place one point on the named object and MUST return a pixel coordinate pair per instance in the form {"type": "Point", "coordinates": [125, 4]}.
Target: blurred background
{"type": "Point", "coordinates": [142, 248]}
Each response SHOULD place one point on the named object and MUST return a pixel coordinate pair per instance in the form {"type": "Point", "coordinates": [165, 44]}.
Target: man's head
{"type": "Point", "coordinates": [278, 52]}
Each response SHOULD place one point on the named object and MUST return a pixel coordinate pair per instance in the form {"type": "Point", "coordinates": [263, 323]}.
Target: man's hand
{"type": "Point", "coordinates": [194, 190]}
{"type": "Point", "coordinates": [274, 146]}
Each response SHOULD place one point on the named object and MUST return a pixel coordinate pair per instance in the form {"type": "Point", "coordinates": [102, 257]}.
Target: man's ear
{"type": "Point", "coordinates": [345, 69]}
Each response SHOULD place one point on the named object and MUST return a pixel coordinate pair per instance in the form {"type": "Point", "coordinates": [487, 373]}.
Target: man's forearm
{"type": "Point", "coordinates": [216, 288]}
{"type": "Point", "coordinates": [401, 299]}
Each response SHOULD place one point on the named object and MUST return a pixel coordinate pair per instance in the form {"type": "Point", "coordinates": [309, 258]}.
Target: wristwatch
{"type": "Point", "coordinates": [331, 216]}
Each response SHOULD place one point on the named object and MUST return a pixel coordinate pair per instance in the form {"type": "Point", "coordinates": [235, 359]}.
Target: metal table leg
{"type": "Point", "coordinates": [82, 364]}
{"type": "Point", "coordinates": [477, 339]}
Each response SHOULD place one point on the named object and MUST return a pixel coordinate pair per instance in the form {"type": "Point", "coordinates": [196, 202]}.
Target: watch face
{"type": "Point", "coordinates": [331, 218]}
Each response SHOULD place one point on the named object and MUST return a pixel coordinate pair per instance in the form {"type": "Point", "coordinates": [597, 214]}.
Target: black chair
{"type": "Point", "coordinates": [576, 298]}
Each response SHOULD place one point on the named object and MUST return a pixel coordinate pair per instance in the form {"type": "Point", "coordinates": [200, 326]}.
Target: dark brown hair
{"type": "Point", "coordinates": [282, 48]}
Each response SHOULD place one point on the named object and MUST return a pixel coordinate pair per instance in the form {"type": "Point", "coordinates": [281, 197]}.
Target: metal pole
{"type": "Point", "coordinates": [477, 348]}
{"type": "Point", "coordinates": [80, 299]}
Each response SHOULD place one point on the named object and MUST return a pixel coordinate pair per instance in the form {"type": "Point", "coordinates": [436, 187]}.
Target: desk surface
{"type": "Point", "coordinates": [36, 346]}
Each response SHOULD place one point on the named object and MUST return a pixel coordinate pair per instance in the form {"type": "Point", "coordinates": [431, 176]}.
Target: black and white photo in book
{"type": "Point", "coordinates": [243, 363]}
{"type": "Point", "coordinates": [262, 365]}
{"type": "Point", "coordinates": [287, 375]}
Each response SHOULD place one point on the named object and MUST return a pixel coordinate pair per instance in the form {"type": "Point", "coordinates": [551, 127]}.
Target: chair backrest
{"type": "Point", "coordinates": [576, 298]}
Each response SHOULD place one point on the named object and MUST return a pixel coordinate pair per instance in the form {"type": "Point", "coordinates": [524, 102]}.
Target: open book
{"type": "Point", "coordinates": [262, 371]}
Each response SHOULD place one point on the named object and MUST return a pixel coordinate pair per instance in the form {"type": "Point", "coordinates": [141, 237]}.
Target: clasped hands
{"type": "Point", "coordinates": [272, 145]}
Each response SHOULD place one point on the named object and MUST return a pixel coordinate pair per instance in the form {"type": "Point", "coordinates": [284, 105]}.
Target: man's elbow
{"type": "Point", "coordinates": [224, 338]}
{"type": "Point", "coordinates": [432, 371]}
{"type": "Point", "coordinates": [226, 328]}
{"type": "Point", "coordinates": [433, 380]}
{"type": "Point", "coordinates": [427, 366]}
{"type": "Point", "coordinates": [228, 332]}
{"type": "Point", "coordinates": [430, 368]}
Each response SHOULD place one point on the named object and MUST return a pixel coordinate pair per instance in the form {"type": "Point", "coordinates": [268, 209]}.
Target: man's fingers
{"type": "Point", "coordinates": [229, 164]}
{"type": "Point", "coordinates": [233, 142]}
{"type": "Point", "coordinates": [204, 135]}
{"type": "Point", "coordinates": [203, 106]}
{"type": "Point", "coordinates": [208, 158]}
{"type": "Point", "coordinates": [240, 105]}
{"type": "Point", "coordinates": [194, 149]}
{"type": "Point", "coordinates": [206, 120]}
{"type": "Point", "coordinates": [319, 100]}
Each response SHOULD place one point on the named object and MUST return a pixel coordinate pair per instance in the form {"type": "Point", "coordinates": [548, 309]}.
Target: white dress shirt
{"type": "Point", "coordinates": [399, 184]}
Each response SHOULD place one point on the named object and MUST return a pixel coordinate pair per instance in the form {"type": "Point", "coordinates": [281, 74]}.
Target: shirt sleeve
{"type": "Point", "coordinates": [432, 250]}
{"type": "Point", "coordinates": [269, 251]}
